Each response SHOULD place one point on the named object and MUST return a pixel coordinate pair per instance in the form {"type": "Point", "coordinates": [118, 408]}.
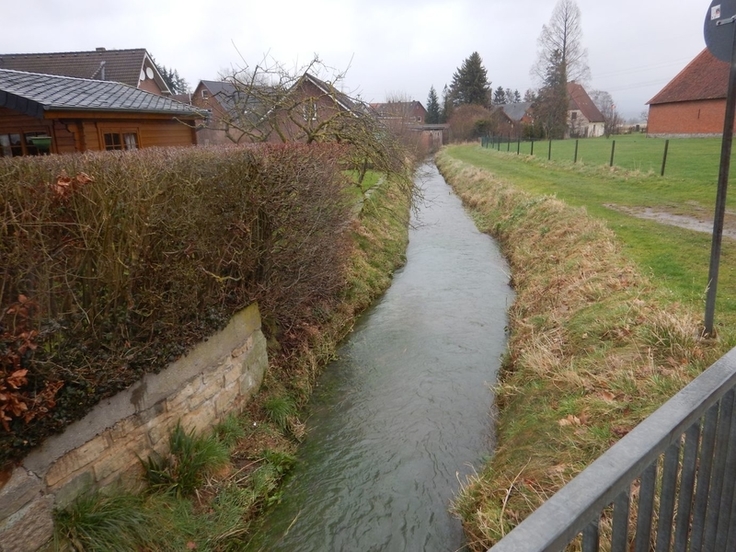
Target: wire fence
{"type": "Point", "coordinates": [695, 158]}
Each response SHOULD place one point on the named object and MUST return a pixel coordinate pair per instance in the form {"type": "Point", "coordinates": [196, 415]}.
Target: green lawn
{"type": "Point", "coordinates": [675, 257]}
{"type": "Point", "coordinates": [695, 158]}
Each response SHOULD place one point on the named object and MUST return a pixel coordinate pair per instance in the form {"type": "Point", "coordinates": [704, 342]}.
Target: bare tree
{"type": "Point", "coordinates": [268, 103]}
{"type": "Point", "coordinates": [612, 120]}
{"type": "Point", "coordinates": [563, 34]}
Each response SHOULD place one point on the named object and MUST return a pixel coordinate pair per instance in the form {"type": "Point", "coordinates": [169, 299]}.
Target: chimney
{"type": "Point", "coordinates": [100, 49]}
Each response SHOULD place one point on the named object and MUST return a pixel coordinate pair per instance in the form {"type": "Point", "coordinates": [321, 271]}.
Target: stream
{"type": "Point", "coordinates": [405, 414]}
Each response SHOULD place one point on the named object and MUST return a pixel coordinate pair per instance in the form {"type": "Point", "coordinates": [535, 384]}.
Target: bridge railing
{"type": "Point", "coordinates": [667, 485]}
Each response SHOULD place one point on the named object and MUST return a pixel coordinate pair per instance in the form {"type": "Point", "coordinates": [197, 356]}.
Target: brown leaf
{"type": "Point", "coordinates": [607, 396]}
{"type": "Point", "coordinates": [569, 420]}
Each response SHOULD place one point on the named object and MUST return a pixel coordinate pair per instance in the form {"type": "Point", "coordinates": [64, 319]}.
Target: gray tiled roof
{"type": "Point", "coordinates": [516, 111]}
{"type": "Point", "coordinates": [120, 65]}
{"type": "Point", "coordinates": [34, 93]}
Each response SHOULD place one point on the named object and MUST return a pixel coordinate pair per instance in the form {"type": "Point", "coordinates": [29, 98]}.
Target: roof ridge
{"type": "Point", "coordinates": [72, 78]}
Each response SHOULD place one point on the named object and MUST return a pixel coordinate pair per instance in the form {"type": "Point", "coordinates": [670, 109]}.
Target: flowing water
{"type": "Point", "coordinates": [405, 414]}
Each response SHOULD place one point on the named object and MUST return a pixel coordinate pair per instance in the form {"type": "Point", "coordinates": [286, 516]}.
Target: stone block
{"type": "Point", "coordinates": [121, 430]}
{"type": "Point", "coordinates": [179, 401]}
{"type": "Point", "coordinates": [227, 400]}
{"type": "Point", "coordinates": [201, 419]}
{"type": "Point", "coordinates": [121, 459]}
{"type": "Point", "coordinates": [73, 488]}
{"type": "Point", "coordinates": [76, 460]}
{"type": "Point", "coordinates": [29, 529]}
{"type": "Point", "coordinates": [21, 488]}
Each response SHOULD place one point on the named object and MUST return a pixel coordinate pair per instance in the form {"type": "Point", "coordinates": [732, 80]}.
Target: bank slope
{"type": "Point", "coordinates": [594, 348]}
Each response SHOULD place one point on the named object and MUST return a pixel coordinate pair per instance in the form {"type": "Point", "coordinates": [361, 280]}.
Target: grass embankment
{"type": "Point", "coordinates": [207, 495]}
{"type": "Point", "coordinates": [599, 337]}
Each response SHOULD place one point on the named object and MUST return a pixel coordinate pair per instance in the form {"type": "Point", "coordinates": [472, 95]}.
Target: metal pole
{"type": "Point", "coordinates": [715, 254]}
{"type": "Point", "coordinates": [664, 157]}
{"type": "Point", "coordinates": [508, 144]}
{"type": "Point", "coordinates": [549, 153]}
{"type": "Point", "coordinates": [576, 152]}
{"type": "Point", "coordinates": [613, 149]}
{"type": "Point", "coordinates": [518, 145]}
{"type": "Point", "coordinates": [532, 153]}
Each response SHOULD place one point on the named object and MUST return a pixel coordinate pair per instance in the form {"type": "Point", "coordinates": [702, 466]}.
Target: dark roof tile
{"type": "Point", "coordinates": [41, 92]}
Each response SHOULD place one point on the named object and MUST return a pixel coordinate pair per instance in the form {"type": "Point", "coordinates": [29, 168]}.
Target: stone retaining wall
{"type": "Point", "coordinates": [217, 377]}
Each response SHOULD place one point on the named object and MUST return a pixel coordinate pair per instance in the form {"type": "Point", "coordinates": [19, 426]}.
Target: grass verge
{"type": "Point", "coordinates": [596, 345]}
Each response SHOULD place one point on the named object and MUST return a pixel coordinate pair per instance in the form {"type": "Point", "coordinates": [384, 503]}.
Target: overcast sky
{"type": "Point", "coordinates": [396, 48]}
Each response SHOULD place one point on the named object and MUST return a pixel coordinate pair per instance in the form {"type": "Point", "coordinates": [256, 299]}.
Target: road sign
{"type": "Point", "coordinates": [719, 28]}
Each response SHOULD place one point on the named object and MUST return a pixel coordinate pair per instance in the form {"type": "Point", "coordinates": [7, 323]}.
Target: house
{"type": "Point", "coordinates": [584, 119]}
{"type": "Point", "coordinates": [511, 118]}
{"type": "Point", "coordinates": [297, 112]}
{"type": "Point", "coordinates": [403, 112]}
{"type": "Point", "coordinates": [42, 113]}
{"type": "Point", "coordinates": [694, 102]}
{"type": "Point", "coordinates": [134, 67]}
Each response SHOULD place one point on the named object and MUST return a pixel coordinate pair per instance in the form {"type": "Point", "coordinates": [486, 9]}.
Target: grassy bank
{"type": "Point", "coordinates": [209, 493]}
{"type": "Point", "coordinates": [599, 337]}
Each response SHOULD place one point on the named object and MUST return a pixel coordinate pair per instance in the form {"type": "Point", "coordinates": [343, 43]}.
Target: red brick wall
{"type": "Point", "coordinates": [700, 117]}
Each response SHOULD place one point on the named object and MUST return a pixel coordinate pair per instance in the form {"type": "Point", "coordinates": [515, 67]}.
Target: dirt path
{"type": "Point", "coordinates": [703, 222]}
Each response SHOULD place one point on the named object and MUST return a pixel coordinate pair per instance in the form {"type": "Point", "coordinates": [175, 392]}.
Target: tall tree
{"type": "Point", "coordinates": [446, 111]}
{"type": "Point", "coordinates": [561, 42]}
{"type": "Point", "coordinates": [470, 83]}
{"type": "Point", "coordinates": [433, 108]}
{"type": "Point", "coordinates": [552, 104]}
{"type": "Point", "coordinates": [176, 83]}
{"type": "Point", "coordinates": [499, 96]}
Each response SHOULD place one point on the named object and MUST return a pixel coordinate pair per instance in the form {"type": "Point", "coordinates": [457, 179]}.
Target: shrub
{"type": "Point", "coordinates": [130, 258]}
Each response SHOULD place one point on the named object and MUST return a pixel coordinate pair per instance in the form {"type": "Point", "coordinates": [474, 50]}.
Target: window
{"type": "Point", "coordinates": [120, 140]}
{"type": "Point", "coordinates": [10, 145]}
{"type": "Point", "coordinates": [310, 110]}
{"type": "Point", "coordinates": [205, 94]}
{"type": "Point", "coordinates": [25, 143]}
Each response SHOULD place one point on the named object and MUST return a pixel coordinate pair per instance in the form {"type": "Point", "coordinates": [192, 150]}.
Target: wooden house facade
{"type": "Point", "coordinates": [42, 113]}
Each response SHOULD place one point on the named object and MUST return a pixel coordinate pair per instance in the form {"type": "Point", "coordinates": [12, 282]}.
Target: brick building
{"type": "Point", "coordinates": [694, 102]}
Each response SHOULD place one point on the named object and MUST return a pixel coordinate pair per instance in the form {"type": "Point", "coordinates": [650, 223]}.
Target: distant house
{"type": "Point", "coordinates": [694, 102]}
{"type": "Point", "coordinates": [584, 119]}
{"type": "Point", "coordinates": [512, 118]}
{"type": "Point", "coordinates": [134, 67]}
{"type": "Point", "coordinates": [401, 112]}
{"type": "Point", "coordinates": [42, 113]}
{"type": "Point", "coordinates": [245, 113]}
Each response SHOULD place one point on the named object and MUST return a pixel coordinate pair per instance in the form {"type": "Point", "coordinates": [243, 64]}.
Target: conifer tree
{"type": "Point", "coordinates": [470, 83]}
{"type": "Point", "coordinates": [433, 108]}
{"type": "Point", "coordinates": [499, 96]}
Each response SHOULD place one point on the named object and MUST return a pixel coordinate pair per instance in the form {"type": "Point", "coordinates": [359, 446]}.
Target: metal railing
{"type": "Point", "coordinates": [680, 464]}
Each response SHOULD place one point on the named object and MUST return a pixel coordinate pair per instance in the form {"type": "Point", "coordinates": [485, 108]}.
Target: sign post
{"type": "Point", "coordinates": [720, 37]}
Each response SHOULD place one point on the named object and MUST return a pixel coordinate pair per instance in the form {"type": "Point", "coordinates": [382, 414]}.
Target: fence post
{"type": "Point", "coordinates": [549, 152]}
{"type": "Point", "coordinates": [518, 146]}
{"type": "Point", "coordinates": [613, 149]}
{"type": "Point", "coordinates": [664, 157]}
{"type": "Point", "coordinates": [508, 143]}
{"type": "Point", "coordinates": [576, 152]}
{"type": "Point", "coordinates": [532, 152]}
